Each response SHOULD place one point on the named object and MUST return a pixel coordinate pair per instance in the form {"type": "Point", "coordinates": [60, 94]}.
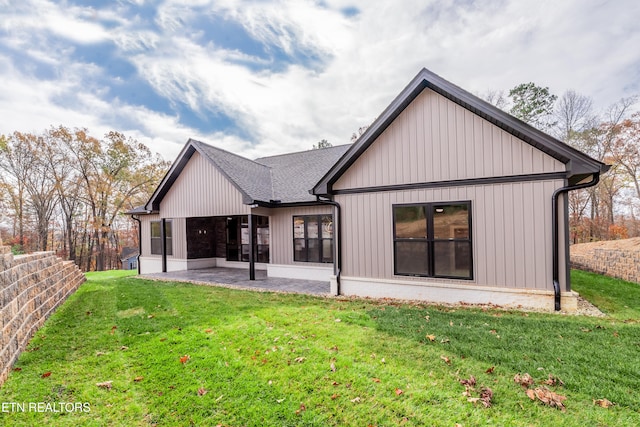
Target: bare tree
{"type": "Point", "coordinates": [573, 114]}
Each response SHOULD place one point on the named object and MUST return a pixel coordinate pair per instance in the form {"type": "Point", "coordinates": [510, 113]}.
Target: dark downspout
{"type": "Point", "coordinates": [252, 256]}
{"type": "Point", "coordinates": [556, 238]}
{"type": "Point", "coordinates": [139, 240]}
{"type": "Point", "coordinates": [337, 267]}
{"type": "Point", "coordinates": [163, 238]}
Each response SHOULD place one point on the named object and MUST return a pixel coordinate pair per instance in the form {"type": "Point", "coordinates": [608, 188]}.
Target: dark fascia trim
{"type": "Point", "coordinates": [576, 161]}
{"type": "Point", "coordinates": [272, 205]}
{"type": "Point", "coordinates": [170, 177]}
{"type": "Point", "coordinates": [456, 183]}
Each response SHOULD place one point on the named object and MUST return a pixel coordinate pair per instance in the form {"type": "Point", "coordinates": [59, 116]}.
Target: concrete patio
{"type": "Point", "coordinates": [239, 279]}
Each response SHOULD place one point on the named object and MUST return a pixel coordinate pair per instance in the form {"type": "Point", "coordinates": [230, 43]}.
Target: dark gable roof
{"type": "Point", "coordinates": [268, 181]}
{"type": "Point", "coordinates": [579, 164]}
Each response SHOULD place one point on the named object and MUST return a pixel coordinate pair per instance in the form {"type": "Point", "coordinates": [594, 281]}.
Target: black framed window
{"type": "Point", "coordinates": [313, 238]}
{"type": "Point", "coordinates": [433, 240]}
{"type": "Point", "coordinates": [156, 237]}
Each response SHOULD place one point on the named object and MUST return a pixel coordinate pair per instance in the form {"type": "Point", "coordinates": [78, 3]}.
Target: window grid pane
{"type": "Point", "coordinates": [433, 240]}
{"type": "Point", "coordinates": [313, 238]}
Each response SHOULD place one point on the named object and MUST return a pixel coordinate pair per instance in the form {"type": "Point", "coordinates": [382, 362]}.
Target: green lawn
{"type": "Point", "coordinates": [263, 359]}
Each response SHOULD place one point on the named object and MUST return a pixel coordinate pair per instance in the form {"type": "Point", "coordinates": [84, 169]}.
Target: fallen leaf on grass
{"type": "Point", "coordinates": [334, 396]}
{"type": "Point", "coordinates": [124, 347]}
{"type": "Point", "coordinates": [300, 359]}
{"type": "Point", "coordinates": [17, 369]}
{"type": "Point", "coordinates": [356, 400]}
{"type": "Point", "coordinates": [399, 392]}
{"type": "Point", "coordinates": [333, 367]}
{"type": "Point", "coordinates": [547, 397]}
{"type": "Point", "coordinates": [46, 374]}
{"type": "Point", "coordinates": [552, 381]}
{"type": "Point", "coordinates": [138, 379]}
{"type": "Point", "coordinates": [208, 331]}
{"type": "Point", "coordinates": [151, 316]}
{"type": "Point", "coordinates": [113, 330]}
{"type": "Point", "coordinates": [375, 380]}
{"type": "Point", "coordinates": [603, 403]}
{"type": "Point", "coordinates": [202, 391]}
{"type": "Point", "coordinates": [524, 380]}
{"type": "Point", "coordinates": [431, 338]}
{"type": "Point", "coordinates": [302, 409]}
{"type": "Point", "coordinates": [490, 370]}
{"type": "Point", "coordinates": [105, 384]}
{"type": "Point", "coordinates": [184, 359]}
{"type": "Point", "coordinates": [486, 394]}
{"type": "Point", "coordinates": [471, 382]}
{"type": "Point", "coordinates": [446, 360]}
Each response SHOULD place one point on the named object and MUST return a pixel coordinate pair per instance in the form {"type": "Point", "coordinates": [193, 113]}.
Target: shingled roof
{"type": "Point", "coordinates": [294, 174]}
{"type": "Point", "coordinates": [267, 181]}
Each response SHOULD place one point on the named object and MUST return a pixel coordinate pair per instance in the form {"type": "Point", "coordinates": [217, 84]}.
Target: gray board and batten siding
{"type": "Point", "coordinates": [435, 140]}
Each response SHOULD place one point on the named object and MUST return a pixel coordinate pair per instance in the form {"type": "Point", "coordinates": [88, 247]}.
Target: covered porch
{"type": "Point", "coordinates": [238, 278]}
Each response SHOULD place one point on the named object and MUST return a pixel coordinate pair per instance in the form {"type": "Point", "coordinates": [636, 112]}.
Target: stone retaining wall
{"type": "Point", "coordinates": [31, 288]}
{"type": "Point", "coordinates": [610, 262]}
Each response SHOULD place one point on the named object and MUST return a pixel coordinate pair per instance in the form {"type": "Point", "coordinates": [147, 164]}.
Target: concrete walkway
{"type": "Point", "coordinates": [239, 278]}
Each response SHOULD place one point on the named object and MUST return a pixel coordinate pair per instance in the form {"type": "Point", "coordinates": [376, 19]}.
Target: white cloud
{"type": "Point", "coordinates": [366, 59]}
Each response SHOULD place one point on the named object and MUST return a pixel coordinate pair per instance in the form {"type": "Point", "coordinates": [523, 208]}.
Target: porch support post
{"type": "Point", "coordinates": [252, 250]}
{"type": "Point", "coordinates": [163, 239]}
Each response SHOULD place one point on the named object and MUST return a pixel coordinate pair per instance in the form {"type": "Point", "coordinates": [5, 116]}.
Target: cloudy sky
{"type": "Point", "coordinates": [262, 77]}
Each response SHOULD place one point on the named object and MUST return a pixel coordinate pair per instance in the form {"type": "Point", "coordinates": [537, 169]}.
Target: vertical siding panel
{"type": "Point", "coordinates": [479, 215]}
{"type": "Point", "coordinates": [412, 124]}
{"type": "Point", "coordinates": [539, 235]}
{"type": "Point", "coordinates": [469, 145]}
{"type": "Point", "coordinates": [443, 141]}
{"type": "Point", "coordinates": [490, 232]}
{"type": "Point", "coordinates": [497, 158]}
{"type": "Point", "coordinates": [435, 138]}
{"type": "Point", "coordinates": [537, 161]}
{"type": "Point", "coordinates": [529, 235]}
{"type": "Point", "coordinates": [363, 256]}
{"type": "Point", "coordinates": [387, 234]}
{"type": "Point", "coordinates": [179, 238]}
{"type": "Point", "coordinates": [516, 155]}
{"type": "Point", "coordinates": [375, 228]}
{"type": "Point", "coordinates": [519, 240]}
{"type": "Point", "coordinates": [507, 164]}
{"type": "Point", "coordinates": [428, 141]}
{"type": "Point", "coordinates": [461, 155]}
{"type": "Point", "coordinates": [420, 141]}
{"type": "Point", "coordinates": [452, 142]}
{"type": "Point", "coordinates": [499, 239]}
{"type": "Point", "coordinates": [510, 236]}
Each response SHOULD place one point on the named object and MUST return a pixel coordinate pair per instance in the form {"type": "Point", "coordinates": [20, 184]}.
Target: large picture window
{"type": "Point", "coordinates": [313, 238]}
{"type": "Point", "coordinates": [433, 240]}
{"type": "Point", "coordinates": [156, 237]}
